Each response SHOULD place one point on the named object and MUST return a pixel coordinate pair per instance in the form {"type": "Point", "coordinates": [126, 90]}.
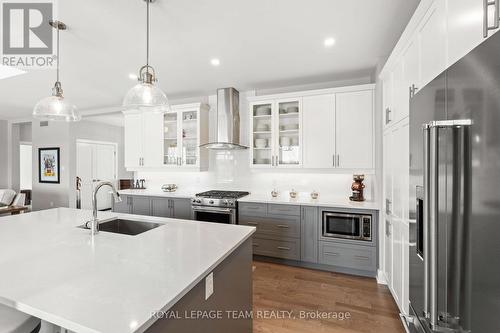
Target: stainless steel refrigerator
{"type": "Point", "coordinates": [455, 197]}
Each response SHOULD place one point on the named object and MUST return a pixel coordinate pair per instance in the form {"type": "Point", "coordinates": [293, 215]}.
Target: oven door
{"type": "Point", "coordinates": [214, 214]}
{"type": "Point", "coordinates": [339, 225]}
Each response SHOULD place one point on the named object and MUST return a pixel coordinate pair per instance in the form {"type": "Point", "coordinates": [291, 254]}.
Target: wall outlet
{"type": "Point", "coordinates": [209, 285]}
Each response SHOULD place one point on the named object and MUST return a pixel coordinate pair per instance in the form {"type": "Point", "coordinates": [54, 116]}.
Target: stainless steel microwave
{"type": "Point", "coordinates": [347, 226]}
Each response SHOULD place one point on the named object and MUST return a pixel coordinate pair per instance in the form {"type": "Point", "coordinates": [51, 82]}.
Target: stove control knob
{"type": "Point", "coordinates": [225, 202]}
{"type": "Point", "coordinates": [231, 203]}
{"type": "Point", "coordinates": [198, 201]}
{"type": "Point", "coordinates": [211, 202]}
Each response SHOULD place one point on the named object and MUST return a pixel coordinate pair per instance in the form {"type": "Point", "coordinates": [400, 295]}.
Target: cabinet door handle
{"type": "Point", "coordinates": [331, 254]}
{"type": "Point", "coordinates": [413, 91]}
{"type": "Point", "coordinates": [361, 257]}
{"type": "Point", "coordinates": [388, 116]}
{"type": "Point", "coordinates": [338, 160]}
{"type": "Point", "coordinates": [388, 206]}
{"type": "Point", "coordinates": [333, 160]}
{"type": "Point", "coordinates": [486, 25]}
{"type": "Point", "coordinates": [283, 226]}
{"type": "Point", "coordinates": [283, 248]}
{"type": "Point", "coordinates": [255, 245]}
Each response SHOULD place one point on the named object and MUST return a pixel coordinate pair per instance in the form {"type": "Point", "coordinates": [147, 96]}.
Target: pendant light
{"type": "Point", "coordinates": [145, 95]}
{"type": "Point", "coordinates": [56, 107]}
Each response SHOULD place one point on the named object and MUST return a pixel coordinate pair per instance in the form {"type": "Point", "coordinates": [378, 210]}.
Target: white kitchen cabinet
{"type": "Point", "coordinates": [440, 33]}
{"type": "Point", "coordinates": [276, 133]}
{"type": "Point", "coordinates": [318, 129]}
{"type": "Point", "coordinates": [133, 140]}
{"type": "Point", "coordinates": [396, 201]}
{"type": "Point", "coordinates": [388, 99]}
{"type": "Point", "coordinates": [388, 250]}
{"type": "Point", "coordinates": [153, 140]}
{"type": "Point", "coordinates": [184, 129]}
{"type": "Point", "coordinates": [465, 26]}
{"type": "Point", "coordinates": [432, 39]}
{"type": "Point", "coordinates": [354, 129]}
{"type": "Point", "coordinates": [405, 291]}
{"type": "Point", "coordinates": [397, 261]}
{"type": "Point", "coordinates": [152, 135]}
{"type": "Point", "coordinates": [388, 172]}
{"type": "Point", "coordinates": [143, 139]}
{"type": "Point", "coordinates": [400, 93]}
{"type": "Point", "coordinates": [319, 136]}
{"type": "Point", "coordinates": [411, 77]}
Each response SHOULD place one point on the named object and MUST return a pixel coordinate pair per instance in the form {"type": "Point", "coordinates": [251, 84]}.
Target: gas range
{"type": "Point", "coordinates": [218, 198]}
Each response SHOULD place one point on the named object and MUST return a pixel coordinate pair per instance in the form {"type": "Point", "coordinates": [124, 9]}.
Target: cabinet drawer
{"type": "Point", "coordinates": [354, 257]}
{"type": "Point", "coordinates": [279, 227]}
{"type": "Point", "coordinates": [283, 210]}
{"type": "Point", "coordinates": [252, 209]}
{"type": "Point", "coordinates": [285, 249]}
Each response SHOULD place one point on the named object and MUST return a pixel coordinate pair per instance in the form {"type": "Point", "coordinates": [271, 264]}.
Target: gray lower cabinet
{"type": "Point", "coordinates": [179, 208]}
{"type": "Point", "coordinates": [141, 205]}
{"type": "Point", "coordinates": [279, 248]}
{"type": "Point", "coordinates": [309, 234]}
{"type": "Point", "coordinates": [278, 229]}
{"type": "Point", "coordinates": [124, 206]}
{"type": "Point", "coordinates": [160, 207]}
{"type": "Point", "coordinates": [294, 233]}
{"type": "Point", "coordinates": [355, 257]}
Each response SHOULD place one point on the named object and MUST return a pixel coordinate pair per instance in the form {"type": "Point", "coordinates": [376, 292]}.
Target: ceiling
{"type": "Point", "coordinates": [260, 43]}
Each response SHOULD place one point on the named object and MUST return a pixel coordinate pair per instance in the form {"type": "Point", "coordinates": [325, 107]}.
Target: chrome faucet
{"type": "Point", "coordinates": [94, 224]}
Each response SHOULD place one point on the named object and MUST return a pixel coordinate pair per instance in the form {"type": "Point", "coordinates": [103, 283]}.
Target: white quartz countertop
{"type": "Point", "coordinates": [159, 193]}
{"type": "Point", "coordinates": [108, 283]}
{"type": "Point", "coordinates": [304, 199]}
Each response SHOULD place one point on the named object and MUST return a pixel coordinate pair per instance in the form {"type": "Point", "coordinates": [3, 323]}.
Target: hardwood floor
{"type": "Point", "coordinates": [303, 291]}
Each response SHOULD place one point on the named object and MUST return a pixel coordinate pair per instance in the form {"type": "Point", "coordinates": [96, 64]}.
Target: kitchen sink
{"type": "Point", "coordinates": [125, 227]}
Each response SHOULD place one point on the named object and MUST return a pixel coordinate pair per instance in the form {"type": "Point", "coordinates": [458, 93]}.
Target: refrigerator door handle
{"type": "Point", "coordinates": [431, 214]}
{"type": "Point", "coordinates": [425, 217]}
{"type": "Point", "coordinates": [432, 224]}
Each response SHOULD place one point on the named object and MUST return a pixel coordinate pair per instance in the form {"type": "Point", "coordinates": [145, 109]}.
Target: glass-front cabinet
{"type": "Point", "coordinates": [276, 139]}
{"type": "Point", "coordinates": [171, 139]}
{"type": "Point", "coordinates": [185, 129]}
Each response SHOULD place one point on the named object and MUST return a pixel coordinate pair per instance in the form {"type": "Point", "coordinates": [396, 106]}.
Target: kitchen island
{"type": "Point", "coordinates": [113, 282]}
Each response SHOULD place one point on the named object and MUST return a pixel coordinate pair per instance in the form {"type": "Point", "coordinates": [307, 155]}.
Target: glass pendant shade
{"type": "Point", "coordinates": [146, 96]}
{"type": "Point", "coordinates": [56, 108]}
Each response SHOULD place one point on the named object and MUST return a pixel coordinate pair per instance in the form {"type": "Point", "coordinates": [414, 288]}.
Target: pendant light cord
{"type": "Point", "coordinates": [57, 52]}
{"type": "Point", "coordinates": [147, 35]}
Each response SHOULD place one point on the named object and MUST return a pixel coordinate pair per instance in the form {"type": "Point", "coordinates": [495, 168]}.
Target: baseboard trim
{"type": "Point", "coordinates": [381, 277]}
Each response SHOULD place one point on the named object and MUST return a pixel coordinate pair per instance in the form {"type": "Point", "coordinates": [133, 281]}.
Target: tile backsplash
{"type": "Point", "coordinates": [231, 171]}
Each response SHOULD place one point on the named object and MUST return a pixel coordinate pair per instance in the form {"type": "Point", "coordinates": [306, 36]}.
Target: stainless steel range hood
{"type": "Point", "coordinates": [228, 121]}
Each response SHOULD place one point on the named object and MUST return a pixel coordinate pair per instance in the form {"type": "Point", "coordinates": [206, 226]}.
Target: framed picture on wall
{"type": "Point", "coordinates": [48, 165]}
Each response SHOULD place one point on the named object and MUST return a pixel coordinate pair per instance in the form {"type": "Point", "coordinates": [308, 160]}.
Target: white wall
{"type": "Point", "coordinates": [56, 134]}
{"type": "Point", "coordinates": [25, 167]}
{"type": "Point", "coordinates": [64, 136]}
{"type": "Point", "coordinates": [4, 152]}
{"type": "Point", "coordinates": [231, 170]}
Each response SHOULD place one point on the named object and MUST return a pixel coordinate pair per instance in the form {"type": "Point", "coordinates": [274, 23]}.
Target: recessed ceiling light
{"type": "Point", "coordinates": [132, 76]}
{"type": "Point", "coordinates": [215, 62]}
{"type": "Point", "coordinates": [329, 42]}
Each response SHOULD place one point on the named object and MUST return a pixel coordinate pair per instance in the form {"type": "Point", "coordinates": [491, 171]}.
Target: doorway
{"type": "Point", "coordinates": [25, 166]}
{"type": "Point", "coordinates": [95, 162]}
